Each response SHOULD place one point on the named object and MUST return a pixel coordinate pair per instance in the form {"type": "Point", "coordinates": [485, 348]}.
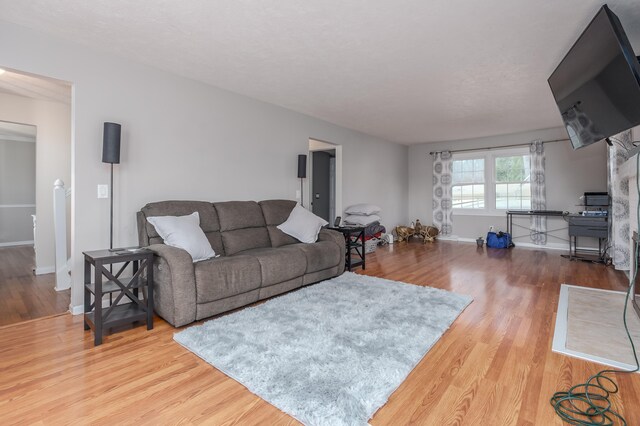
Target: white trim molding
{"type": "Point", "coordinates": [60, 215]}
{"type": "Point", "coordinates": [44, 270]}
{"type": "Point", "coordinates": [319, 145]}
{"type": "Point", "coordinates": [17, 206]}
{"type": "Point", "coordinates": [76, 310]}
{"type": "Point", "coordinates": [17, 243]}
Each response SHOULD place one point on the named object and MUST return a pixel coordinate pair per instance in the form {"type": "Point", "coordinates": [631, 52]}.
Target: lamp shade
{"type": "Point", "coordinates": [111, 143]}
{"type": "Point", "coordinates": [302, 166]}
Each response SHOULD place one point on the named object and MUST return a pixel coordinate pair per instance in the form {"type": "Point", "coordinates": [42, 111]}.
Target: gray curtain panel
{"type": "Point", "coordinates": [538, 224]}
{"type": "Point", "coordinates": [442, 207]}
{"type": "Point", "coordinates": [619, 227]}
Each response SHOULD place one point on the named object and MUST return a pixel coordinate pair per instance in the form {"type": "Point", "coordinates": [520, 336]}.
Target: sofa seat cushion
{"type": "Point", "coordinates": [279, 264]}
{"type": "Point", "coordinates": [320, 255]}
{"type": "Point", "coordinates": [225, 277]}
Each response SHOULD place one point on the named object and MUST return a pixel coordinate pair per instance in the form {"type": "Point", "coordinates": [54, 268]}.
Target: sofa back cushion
{"type": "Point", "coordinates": [242, 226]}
{"type": "Point", "coordinates": [208, 221]}
{"type": "Point", "coordinates": [275, 213]}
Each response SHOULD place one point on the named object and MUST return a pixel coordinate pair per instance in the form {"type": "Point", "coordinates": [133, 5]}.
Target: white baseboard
{"type": "Point", "coordinates": [79, 309]}
{"type": "Point", "coordinates": [548, 246]}
{"type": "Point", "coordinates": [17, 243]}
{"type": "Point", "coordinates": [45, 270]}
{"type": "Point", "coordinates": [76, 310]}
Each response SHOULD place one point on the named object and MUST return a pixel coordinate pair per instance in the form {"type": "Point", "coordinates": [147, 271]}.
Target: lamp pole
{"type": "Point", "coordinates": [111, 155]}
{"type": "Point", "coordinates": [111, 211]}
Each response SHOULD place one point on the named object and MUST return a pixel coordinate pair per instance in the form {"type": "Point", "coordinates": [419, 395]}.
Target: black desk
{"type": "Point", "coordinates": [548, 213]}
{"type": "Point", "coordinates": [577, 226]}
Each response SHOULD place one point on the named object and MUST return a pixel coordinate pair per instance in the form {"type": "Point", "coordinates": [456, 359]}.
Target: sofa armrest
{"type": "Point", "coordinates": [338, 238]}
{"type": "Point", "coordinates": [174, 285]}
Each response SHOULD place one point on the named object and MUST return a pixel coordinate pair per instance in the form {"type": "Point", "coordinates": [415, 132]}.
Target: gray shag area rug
{"type": "Point", "coordinates": [331, 353]}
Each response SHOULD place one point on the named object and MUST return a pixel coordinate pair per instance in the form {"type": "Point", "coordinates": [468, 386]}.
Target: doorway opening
{"type": "Point", "coordinates": [35, 151]}
{"type": "Point", "coordinates": [325, 183]}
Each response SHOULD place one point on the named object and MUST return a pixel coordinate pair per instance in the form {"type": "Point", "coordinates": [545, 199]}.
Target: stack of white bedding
{"type": "Point", "coordinates": [362, 214]}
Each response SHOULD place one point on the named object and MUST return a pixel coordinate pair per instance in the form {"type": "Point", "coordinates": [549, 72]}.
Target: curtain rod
{"type": "Point", "coordinates": [495, 147]}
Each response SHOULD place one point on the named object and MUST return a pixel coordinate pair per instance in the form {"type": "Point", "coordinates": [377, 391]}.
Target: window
{"type": "Point", "coordinates": [467, 184]}
{"type": "Point", "coordinates": [513, 182]}
{"type": "Point", "coordinates": [491, 182]}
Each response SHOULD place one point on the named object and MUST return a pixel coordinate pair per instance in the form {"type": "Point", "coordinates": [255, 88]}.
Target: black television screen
{"type": "Point", "coordinates": [597, 84]}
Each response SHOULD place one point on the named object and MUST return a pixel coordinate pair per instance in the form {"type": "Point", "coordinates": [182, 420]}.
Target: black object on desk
{"type": "Point", "coordinates": [354, 241]}
{"type": "Point", "coordinates": [100, 319]}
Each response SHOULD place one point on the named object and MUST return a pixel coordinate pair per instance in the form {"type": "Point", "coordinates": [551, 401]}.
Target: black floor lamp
{"type": "Point", "coordinates": [111, 155]}
{"type": "Point", "coordinates": [302, 173]}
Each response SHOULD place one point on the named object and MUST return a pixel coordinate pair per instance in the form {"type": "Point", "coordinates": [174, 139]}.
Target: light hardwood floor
{"type": "Point", "coordinates": [494, 366]}
{"type": "Point", "coordinates": [23, 295]}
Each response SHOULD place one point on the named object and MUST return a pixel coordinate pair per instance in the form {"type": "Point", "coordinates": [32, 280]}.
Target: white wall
{"type": "Point", "coordinates": [186, 140]}
{"type": "Point", "coordinates": [53, 161]}
{"type": "Point", "coordinates": [569, 174]}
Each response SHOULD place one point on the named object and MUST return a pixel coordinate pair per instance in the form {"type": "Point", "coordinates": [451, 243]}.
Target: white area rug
{"type": "Point", "coordinates": [331, 353]}
{"type": "Point", "coordinates": [589, 326]}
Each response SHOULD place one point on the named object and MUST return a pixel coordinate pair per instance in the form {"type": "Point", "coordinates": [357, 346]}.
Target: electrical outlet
{"type": "Point", "coordinates": [103, 191]}
{"type": "Point", "coordinates": [297, 194]}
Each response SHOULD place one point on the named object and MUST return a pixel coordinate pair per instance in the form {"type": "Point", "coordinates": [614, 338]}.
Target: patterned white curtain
{"type": "Point", "coordinates": [538, 224]}
{"type": "Point", "coordinates": [619, 230]}
{"type": "Point", "coordinates": [442, 207]}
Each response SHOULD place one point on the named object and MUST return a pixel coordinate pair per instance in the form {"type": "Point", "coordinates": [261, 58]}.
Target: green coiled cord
{"type": "Point", "coordinates": [588, 404]}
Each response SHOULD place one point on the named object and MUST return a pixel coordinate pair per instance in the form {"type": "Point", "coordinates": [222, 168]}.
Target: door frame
{"type": "Point", "coordinates": [320, 145]}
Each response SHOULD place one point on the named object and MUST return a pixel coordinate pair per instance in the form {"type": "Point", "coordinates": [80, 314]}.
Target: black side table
{"type": "Point", "coordinates": [354, 240]}
{"type": "Point", "coordinates": [100, 319]}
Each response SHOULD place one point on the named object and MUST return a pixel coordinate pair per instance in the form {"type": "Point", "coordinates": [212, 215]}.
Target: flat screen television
{"type": "Point", "coordinates": [597, 84]}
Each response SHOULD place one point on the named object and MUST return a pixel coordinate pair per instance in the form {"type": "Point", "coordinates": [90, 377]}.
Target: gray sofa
{"type": "Point", "coordinates": [256, 261]}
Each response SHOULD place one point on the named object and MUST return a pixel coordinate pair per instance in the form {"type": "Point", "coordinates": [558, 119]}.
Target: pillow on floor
{"type": "Point", "coordinates": [184, 232]}
{"type": "Point", "coordinates": [302, 225]}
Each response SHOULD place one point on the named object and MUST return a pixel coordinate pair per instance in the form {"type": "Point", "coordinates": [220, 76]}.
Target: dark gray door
{"type": "Point", "coordinates": [321, 184]}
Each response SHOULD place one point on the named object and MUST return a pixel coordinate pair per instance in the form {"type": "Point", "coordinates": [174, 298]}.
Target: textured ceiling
{"type": "Point", "coordinates": [408, 70]}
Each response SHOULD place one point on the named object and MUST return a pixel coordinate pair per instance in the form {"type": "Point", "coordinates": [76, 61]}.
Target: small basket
{"type": "Point", "coordinates": [371, 245]}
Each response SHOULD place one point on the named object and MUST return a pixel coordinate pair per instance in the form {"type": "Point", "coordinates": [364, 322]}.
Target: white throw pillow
{"type": "Point", "coordinates": [184, 232]}
{"type": "Point", "coordinates": [362, 220]}
{"type": "Point", "coordinates": [302, 225]}
{"type": "Point", "coordinates": [363, 209]}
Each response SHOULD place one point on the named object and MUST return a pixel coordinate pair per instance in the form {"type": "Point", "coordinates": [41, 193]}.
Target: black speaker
{"type": "Point", "coordinates": [302, 166]}
{"type": "Point", "coordinates": [111, 143]}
